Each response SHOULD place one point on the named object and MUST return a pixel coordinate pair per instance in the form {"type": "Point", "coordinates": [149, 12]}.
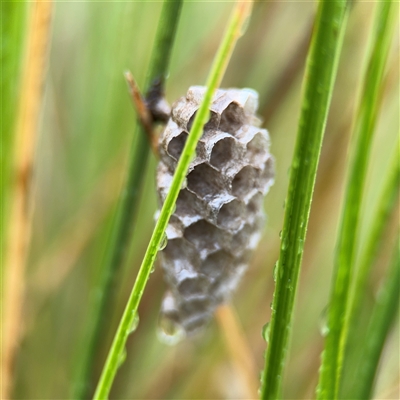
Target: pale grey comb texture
{"type": "Point", "coordinates": [219, 215]}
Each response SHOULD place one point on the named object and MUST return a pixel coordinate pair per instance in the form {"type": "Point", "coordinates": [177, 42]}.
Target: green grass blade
{"type": "Point", "coordinates": [384, 313]}
{"type": "Point", "coordinates": [127, 322]}
{"type": "Point", "coordinates": [384, 209]}
{"type": "Point", "coordinates": [124, 225]}
{"type": "Point", "coordinates": [333, 354]}
{"type": "Point", "coordinates": [319, 80]}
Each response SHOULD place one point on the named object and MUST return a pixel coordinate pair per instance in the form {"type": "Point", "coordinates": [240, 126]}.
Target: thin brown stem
{"type": "Point", "coordinates": [142, 110]}
{"type": "Point", "coordinates": [20, 221]}
{"type": "Point", "coordinates": [238, 348]}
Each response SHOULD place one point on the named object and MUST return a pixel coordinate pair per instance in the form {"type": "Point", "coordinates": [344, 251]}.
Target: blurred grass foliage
{"type": "Point", "coordinates": [13, 25]}
{"type": "Point", "coordinates": [85, 130]}
{"type": "Point", "coordinates": [339, 318]}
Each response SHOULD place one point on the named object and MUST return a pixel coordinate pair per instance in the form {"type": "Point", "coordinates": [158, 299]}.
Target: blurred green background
{"type": "Point", "coordinates": [86, 128]}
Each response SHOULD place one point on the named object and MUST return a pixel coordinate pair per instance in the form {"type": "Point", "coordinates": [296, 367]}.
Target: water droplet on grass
{"type": "Point", "coordinates": [296, 162]}
{"type": "Point", "coordinates": [134, 324]}
{"type": "Point", "coordinates": [261, 377]}
{"type": "Point", "coordinates": [323, 322]}
{"type": "Point", "coordinates": [265, 331]}
{"type": "Point", "coordinates": [301, 246]}
{"type": "Point", "coordinates": [164, 242]}
{"type": "Point", "coordinates": [275, 272]}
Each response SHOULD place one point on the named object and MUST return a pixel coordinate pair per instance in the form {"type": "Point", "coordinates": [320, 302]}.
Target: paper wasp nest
{"type": "Point", "coordinates": [219, 212]}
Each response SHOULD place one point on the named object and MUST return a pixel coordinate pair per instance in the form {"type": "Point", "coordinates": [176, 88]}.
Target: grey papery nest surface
{"type": "Point", "coordinates": [219, 214]}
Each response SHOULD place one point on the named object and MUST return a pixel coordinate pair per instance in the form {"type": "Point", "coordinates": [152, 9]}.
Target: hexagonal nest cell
{"type": "Point", "coordinates": [196, 305]}
{"type": "Point", "coordinates": [216, 263]}
{"type": "Point", "coordinates": [244, 181]}
{"type": "Point", "coordinates": [212, 123]}
{"type": "Point", "coordinates": [180, 255]}
{"type": "Point", "coordinates": [258, 149]}
{"type": "Point", "coordinates": [204, 180]}
{"type": "Point", "coordinates": [195, 286]}
{"type": "Point", "coordinates": [188, 204]}
{"type": "Point", "coordinates": [232, 118]}
{"type": "Point", "coordinates": [230, 215]}
{"type": "Point", "coordinates": [176, 145]}
{"type": "Point", "coordinates": [224, 153]}
{"type": "Point", "coordinates": [204, 236]}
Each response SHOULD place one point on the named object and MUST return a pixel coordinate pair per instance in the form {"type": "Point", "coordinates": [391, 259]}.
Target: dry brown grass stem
{"type": "Point", "coordinates": [19, 229]}
{"type": "Point", "coordinates": [238, 348]}
{"type": "Point", "coordinates": [143, 113]}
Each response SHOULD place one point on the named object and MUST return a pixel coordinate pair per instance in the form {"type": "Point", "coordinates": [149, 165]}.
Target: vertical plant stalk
{"type": "Point", "coordinates": [335, 343]}
{"type": "Point", "coordinates": [320, 75]}
{"type": "Point", "coordinates": [238, 348]}
{"type": "Point", "coordinates": [384, 209]}
{"type": "Point", "coordinates": [127, 323]}
{"type": "Point", "coordinates": [357, 325]}
{"type": "Point", "coordinates": [384, 314]}
{"type": "Point", "coordinates": [129, 198]}
{"type": "Point", "coordinates": [20, 222]}
{"type": "Point", "coordinates": [13, 23]}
